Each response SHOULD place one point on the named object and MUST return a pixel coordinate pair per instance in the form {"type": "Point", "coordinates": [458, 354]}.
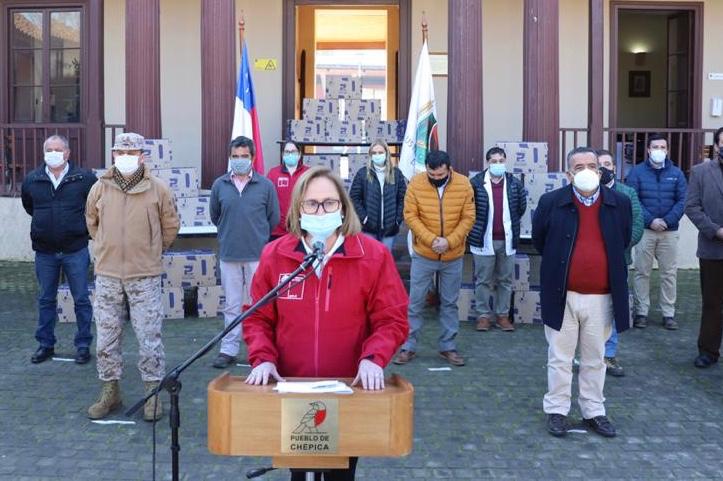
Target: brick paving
{"type": "Point", "coordinates": [481, 421]}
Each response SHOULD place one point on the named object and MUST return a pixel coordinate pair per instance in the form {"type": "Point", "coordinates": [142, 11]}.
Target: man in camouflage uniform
{"type": "Point", "coordinates": [131, 216]}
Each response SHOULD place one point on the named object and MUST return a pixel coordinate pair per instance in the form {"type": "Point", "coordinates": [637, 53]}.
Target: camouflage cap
{"type": "Point", "coordinates": [129, 141]}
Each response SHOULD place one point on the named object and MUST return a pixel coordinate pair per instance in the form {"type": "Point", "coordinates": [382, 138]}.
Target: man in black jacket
{"type": "Point", "coordinates": [54, 195]}
{"type": "Point", "coordinates": [500, 202]}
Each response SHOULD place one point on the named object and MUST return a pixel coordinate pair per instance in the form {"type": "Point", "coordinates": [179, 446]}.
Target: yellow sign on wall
{"type": "Point", "coordinates": [265, 63]}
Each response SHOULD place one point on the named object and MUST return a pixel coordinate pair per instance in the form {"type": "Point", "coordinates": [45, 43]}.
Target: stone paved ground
{"type": "Point", "coordinates": [482, 421]}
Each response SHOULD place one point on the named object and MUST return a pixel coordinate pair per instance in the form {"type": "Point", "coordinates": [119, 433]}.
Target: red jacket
{"type": "Point", "coordinates": [284, 184]}
{"type": "Point", "coordinates": [323, 327]}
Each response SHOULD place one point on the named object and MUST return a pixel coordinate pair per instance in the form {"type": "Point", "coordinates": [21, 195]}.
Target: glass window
{"type": "Point", "coordinates": [46, 65]}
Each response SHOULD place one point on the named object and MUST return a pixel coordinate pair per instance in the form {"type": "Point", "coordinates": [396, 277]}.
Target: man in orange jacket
{"type": "Point", "coordinates": [439, 210]}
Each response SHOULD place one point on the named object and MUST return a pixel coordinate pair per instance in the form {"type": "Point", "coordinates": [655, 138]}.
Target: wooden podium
{"type": "Point", "coordinates": [309, 431]}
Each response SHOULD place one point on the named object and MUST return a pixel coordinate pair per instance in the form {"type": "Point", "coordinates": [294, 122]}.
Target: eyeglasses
{"type": "Point", "coordinates": [311, 206]}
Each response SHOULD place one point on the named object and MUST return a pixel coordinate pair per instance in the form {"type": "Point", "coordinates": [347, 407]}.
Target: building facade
{"type": "Point", "coordinates": [568, 72]}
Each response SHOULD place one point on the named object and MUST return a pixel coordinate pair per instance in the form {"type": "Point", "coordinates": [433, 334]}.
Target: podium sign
{"type": "Point", "coordinates": [309, 426]}
{"type": "Point", "coordinates": [301, 431]}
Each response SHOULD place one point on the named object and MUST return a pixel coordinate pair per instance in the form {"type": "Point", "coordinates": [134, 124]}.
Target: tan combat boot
{"type": "Point", "coordinates": [151, 403]}
{"type": "Point", "coordinates": [109, 400]}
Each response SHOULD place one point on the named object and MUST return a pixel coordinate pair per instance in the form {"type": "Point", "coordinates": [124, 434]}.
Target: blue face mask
{"type": "Point", "coordinates": [321, 226]}
{"type": "Point", "coordinates": [291, 159]}
{"type": "Point", "coordinates": [240, 165]}
{"type": "Point", "coordinates": [379, 159]}
{"type": "Point", "coordinates": [498, 170]}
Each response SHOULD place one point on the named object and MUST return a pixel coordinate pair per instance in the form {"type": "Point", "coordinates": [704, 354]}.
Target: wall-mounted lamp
{"type": "Point", "coordinates": [640, 58]}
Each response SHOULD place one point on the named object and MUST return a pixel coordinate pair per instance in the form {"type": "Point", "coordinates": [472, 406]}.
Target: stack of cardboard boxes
{"type": "Point", "coordinates": [188, 269]}
{"type": "Point", "coordinates": [528, 161]}
{"type": "Point", "coordinates": [192, 205]}
{"type": "Point", "coordinates": [342, 117]}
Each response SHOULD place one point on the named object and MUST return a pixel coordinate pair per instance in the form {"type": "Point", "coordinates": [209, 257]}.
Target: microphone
{"type": "Point", "coordinates": [318, 250]}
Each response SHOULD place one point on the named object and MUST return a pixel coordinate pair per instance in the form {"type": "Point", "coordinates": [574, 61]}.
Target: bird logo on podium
{"type": "Point", "coordinates": [312, 419]}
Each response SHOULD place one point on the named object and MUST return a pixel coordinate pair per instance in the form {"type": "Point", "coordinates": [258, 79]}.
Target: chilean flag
{"type": "Point", "coordinates": [245, 118]}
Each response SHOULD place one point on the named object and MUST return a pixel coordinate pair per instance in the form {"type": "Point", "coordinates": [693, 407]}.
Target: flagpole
{"type": "Point", "coordinates": [241, 29]}
{"type": "Point", "coordinates": [425, 30]}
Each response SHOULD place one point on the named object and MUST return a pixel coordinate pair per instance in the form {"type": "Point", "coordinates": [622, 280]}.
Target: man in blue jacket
{"type": "Point", "coordinates": [661, 188]}
{"type": "Point", "coordinates": [582, 231]}
{"type": "Point", "coordinates": [54, 195]}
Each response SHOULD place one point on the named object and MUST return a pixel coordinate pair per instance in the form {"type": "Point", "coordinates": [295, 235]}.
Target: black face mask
{"type": "Point", "coordinates": [438, 182]}
{"type": "Point", "coordinates": [606, 176]}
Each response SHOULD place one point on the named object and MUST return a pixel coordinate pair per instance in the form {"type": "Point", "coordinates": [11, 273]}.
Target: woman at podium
{"type": "Point", "coordinates": [346, 317]}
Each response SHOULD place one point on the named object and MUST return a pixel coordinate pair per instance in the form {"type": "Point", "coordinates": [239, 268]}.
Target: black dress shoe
{"type": "Point", "coordinates": [223, 361]}
{"type": "Point", "coordinates": [557, 425]}
{"type": "Point", "coordinates": [42, 354]}
{"type": "Point", "coordinates": [601, 425]}
{"type": "Point", "coordinates": [82, 356]}
{"type": "Point", "coordinates": [705, 360]}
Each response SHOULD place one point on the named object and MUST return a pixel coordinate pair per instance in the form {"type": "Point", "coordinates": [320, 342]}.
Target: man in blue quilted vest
{"type": "Point", "coordinates": [661, 187]}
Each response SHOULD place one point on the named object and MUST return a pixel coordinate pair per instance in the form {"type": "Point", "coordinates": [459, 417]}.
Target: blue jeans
{"type": "Point", "coordinates": [611, 345]}
{"type": "Point", "coordinates": [47, 269]}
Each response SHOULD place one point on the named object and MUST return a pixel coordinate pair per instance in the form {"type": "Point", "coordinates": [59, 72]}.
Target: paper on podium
{"type": "Point", "coordinates": [315, 387]}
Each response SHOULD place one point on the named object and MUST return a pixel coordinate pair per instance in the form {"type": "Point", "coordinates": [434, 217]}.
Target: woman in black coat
{"type": "Point", "coordinates": [378, 194]}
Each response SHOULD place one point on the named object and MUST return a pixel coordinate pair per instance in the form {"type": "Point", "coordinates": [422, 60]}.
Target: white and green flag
{"type": "Point", "coordinates": [421, 134]}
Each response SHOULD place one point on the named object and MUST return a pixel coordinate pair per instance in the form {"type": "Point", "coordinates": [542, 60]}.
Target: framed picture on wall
{"type": "Point", "coordinates": [639, 83]}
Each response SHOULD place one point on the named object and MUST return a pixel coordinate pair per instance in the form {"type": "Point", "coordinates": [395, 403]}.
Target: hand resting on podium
{"type": "Point", "coordinates": [370, 374]}
{"type": "Point", "coordinates": [261, 373]}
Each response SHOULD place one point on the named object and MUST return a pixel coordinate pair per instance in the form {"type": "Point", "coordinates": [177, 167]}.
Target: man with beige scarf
{"type": "Point", "coordinates": [131, 216]}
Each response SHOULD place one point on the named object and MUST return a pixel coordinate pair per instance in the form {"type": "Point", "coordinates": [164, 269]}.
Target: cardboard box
{"type": "Point", "coordinates": [66, 306]}
{"type": "Point", "coordinates": [330, 161]}
{"type": "Point", "coordinates": [391, 131]}
{"type": "Point", "coordinates": [343, 87]}
{"type": "Point", "coordinates": [194, 211]}
{"type": "Point", "coordinates": [367, 110]}
{"type": "Point", "coordinates": [356, 162]}
{"type": "Point", "coordinates": [306, 130]}
{"type": "Point", "coordinates": [535, 263]}
{"type": "Point", "coordinates": [183, 181]}
{"type": "Point", "coordinates": [158, 153]}
{"type": "Point", "coordinates": [526, 307]}
{"type": "Point", "coordinates": [189, 268]}
{"type": "Point", "coordinates": [467, 304]}
{"type": "Point", "coordinates": [211, 301]}
{"type": "Point", "coordinates": [539, 184]}
{"type": "Point", "coordinates": [343, 131]}
{"type": "Point", "coordinates": [320, 109]}
{"type": "Point", "coordinates": [521, 279]}
{"type": "Point", "coordinates": [172, 298]}
{"type": "Point", "coordinates": [525, 157]}
{"type": "Point", "coordinates": [526, 221]}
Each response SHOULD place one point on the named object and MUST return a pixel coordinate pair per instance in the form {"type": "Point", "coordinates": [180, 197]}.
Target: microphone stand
{"type": "Point", "coordinates": [172, 384]}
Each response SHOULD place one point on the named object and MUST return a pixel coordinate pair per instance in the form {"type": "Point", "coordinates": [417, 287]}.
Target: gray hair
{"type": "Point", "coordinates": [578, 151]}
{"type": "Point", "coordinates": [62, 138]}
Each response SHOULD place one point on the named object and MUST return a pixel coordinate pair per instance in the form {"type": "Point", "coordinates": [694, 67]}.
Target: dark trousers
{"type": "Point", "coordinates": [711, 322]}
{"type": "Point", "coordinates": [332, 475]}
{"type": "Point", "coordinates": [47, 268]}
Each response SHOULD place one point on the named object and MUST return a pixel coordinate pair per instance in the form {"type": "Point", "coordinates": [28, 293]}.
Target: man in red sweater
{"type": "Point", "coordinates": [582, 231]}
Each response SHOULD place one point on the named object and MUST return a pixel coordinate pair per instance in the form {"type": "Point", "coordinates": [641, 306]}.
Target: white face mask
{"type": "Point", "coordinates": [54, 159]}
{"type": "Point", "coordinates": [586, 180]}
{"type": "Point", "coordinates": [126, 164]}
{"type": "Point", "coordinates": [657, 156]}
